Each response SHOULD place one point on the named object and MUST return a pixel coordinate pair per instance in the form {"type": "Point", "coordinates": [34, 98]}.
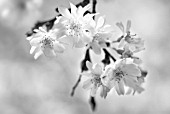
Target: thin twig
{"type": "Point", "coordinates": [75, 86]}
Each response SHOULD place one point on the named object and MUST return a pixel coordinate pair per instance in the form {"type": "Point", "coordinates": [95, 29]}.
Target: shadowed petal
{"type": "Point", "coordinates": [128, 26]}
{"type": "Point", "coordinates": [81, 10]}
{"type": "Point", "coordinates": [122, 43]}
{"type": "Point", "coordinates": [58, 47]}
{"type": "Point", "coordinates": [79, 44]}
{"type": "Point", "coordinates": [120, 25]}
{"type": "Point", "coordinates": [120, 88]}
{"type": "Point", "coordinates": [49, 52]}
{"type": "Point", "coordinates": [111, 84]}
{"type": "Point", "coordinates": [103, 91]}
{"type": "Point", "coordinates": [89, 65]}
{"type": "Point", "coordinates": [87, 84]}
{"type": "Point", "coordinates": [131, 83]}
{"type": "Point", "coordinates": [131, 69]}
{"type": "Point", "coordinates": [94, 90]}
{"type": "Point", "coordinates": [96, 48]}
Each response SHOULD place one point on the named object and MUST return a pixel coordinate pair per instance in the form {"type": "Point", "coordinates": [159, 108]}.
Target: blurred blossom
{"type": "Point", "coordinates": [19, 13]}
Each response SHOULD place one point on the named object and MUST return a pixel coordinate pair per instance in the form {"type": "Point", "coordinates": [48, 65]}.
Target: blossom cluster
{"type": "Point", "coordinates": [78, 28]}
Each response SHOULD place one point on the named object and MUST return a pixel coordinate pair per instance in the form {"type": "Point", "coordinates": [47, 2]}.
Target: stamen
{"type": "Point", "coordinates": [74, 29]}
{"type": "Point", "coordinates": [47, 41]}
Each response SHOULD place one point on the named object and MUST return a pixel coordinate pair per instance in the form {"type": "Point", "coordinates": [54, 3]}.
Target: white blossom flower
{"type": "Point", "coordinates": [74, 24]}
{"type": "Point", "coordinates": [123, 73]}
{"type": "Point", "coordinates": [99, 34]}
{"type": "Point", "coordinates": [132, 42]}
{"type": "Point", "coordinates": [43, 42]}
{"type": "Point", "coordinates": [94, 80]}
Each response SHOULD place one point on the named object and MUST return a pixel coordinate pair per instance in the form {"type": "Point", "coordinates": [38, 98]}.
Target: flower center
{"type": "Point", "coordinates": [74, 29]}
{"type": "Point", "coordinates": [47, 42]}
{"type": "Point", "coordinates": [118, 74]}
{"type": "Point", "coordinates": [96, 37]}
{"type": "Point", "coordinates": [97, 80]}
{"type": "Point", "coordinates": [129, 38]}
{"type": "Point", "coordinates": [127, 53]}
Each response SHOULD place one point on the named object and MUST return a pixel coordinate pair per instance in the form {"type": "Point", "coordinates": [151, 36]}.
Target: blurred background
{"type": "Point", "coordinates": [43, 86]}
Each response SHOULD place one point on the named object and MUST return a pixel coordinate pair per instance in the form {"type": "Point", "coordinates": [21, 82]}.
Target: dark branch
{"type": "Point", "coordinates": [92, 103]}
{"type": "Point", "coordinates": [109, 55]}
{"type": "Point", "coordinates": [83, 68]}
{"type": "Point", "coordinates": [86, 58]}
{"type": "Point", "coordinates": [94, 7]}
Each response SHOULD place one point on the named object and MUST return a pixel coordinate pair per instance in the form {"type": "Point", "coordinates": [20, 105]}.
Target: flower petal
{"type": "Point", "coordinates": [88, 17]}
{"type": "Point", "coordinates": [103, 91]}
{"type": "Point", "coordinates": [87, 7]}
{"type": "Point", "coordinates": [29, 37]}
{"type": "Point", "coordinates": [134, 85]}
{"type": "Point", "coordinates": [96, 48]}
{"type": "Point", "coordinates": [73, 9]}
{"type": "Point", "coordinates": [37, 54]}
{"type": "Point", "coordinates": [128, 26]}
{"type": "Point", "coordinates": [122, 43]}
{"type": "Point", "coordinates": [88, 74]}
{"type": "Point", "coordinates": [58, 47]}
{"type": "Point", "coordinates": [87, 84]}
{"type": "Point", "coordinates": [100, 22]}
{"type": "Point", "coordinates": [49, 52]}
{"type": "Point", "coordinates": [97, 69]}
{"type": "Point", "coordinates": [120, 25]}
{"type": "Point", "coordinates": [104, 36]}
{"type": "Point", "coordinates": [131, 69]}
{"type": "Point", "coordinates": [89, 65]}
{"type": "Point", "coordinates": [32, 49]}
{"type": "Point", "coordinates": [79, 44]}
{"type": "Point", "coordinates": [111, 84]}
{"type": "Point", "coordinates": [129, 91]}
{"type": "Point", "coordinates": [86, 39]}
{"type": "Point", "coordinates": [120, 88]}
{"type": "Point", "coordinates": [64, 12]}
{"type": "Point", "coordinates": [137, 61]}
{"type": "Point", "coordinates": [94, 90]}
{"type": "Point", "coordinates": [35, 41]}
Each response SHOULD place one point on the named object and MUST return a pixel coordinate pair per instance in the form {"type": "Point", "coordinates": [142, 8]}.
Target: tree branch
{"type": "Point", "coordinates": [83, 68]}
